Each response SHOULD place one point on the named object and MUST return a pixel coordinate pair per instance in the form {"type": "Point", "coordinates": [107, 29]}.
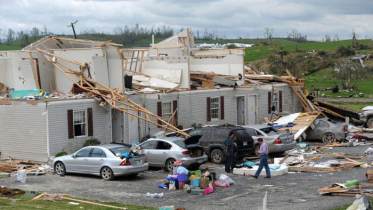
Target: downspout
{"type": "Point", "coordinates": [46, 117]}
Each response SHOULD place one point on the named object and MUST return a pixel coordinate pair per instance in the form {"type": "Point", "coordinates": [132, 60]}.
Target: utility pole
{"type": "Point", "coordinates": [72, 26]}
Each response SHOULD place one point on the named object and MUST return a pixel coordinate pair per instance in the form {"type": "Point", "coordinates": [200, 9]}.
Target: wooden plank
{"type": "Point", "coordinates": [301, 102]}
{"type": "Point", "coordinates": [51, 86]}
{"type": "Point", "coordinates": [39, 196]}
{"type": "Point", "coordinates": [293, 168]}
{"type": "Point", "coordinates": [93, 203]}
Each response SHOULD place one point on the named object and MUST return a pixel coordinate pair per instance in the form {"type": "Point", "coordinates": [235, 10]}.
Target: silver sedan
{"type": "Point", "coordinates": [102, 161]}
{"type": "Point", "coordinates": [164, 152]}
{"type": "Point", "coordinates": [277, 141]}
{"type": "Point", "coordinates": [327, 130]}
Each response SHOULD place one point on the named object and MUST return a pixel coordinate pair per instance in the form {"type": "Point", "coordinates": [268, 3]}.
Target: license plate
{"type": "Point", "coordinates": [245, 143]}
{"type": "Point", "coordinates": [137, 162]}
{"type": "Point", "coordinates": [200, 161]}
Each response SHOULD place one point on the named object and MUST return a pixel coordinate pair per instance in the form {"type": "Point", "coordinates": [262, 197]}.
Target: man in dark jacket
{"type": "Point", "coordinates": [235, 150]}
{"type": "Point", "coordinates": [228, 151]}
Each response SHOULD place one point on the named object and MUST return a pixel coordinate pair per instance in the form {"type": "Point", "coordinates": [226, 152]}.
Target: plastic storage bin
{"type": "Point", "coordinates": [195, 182]}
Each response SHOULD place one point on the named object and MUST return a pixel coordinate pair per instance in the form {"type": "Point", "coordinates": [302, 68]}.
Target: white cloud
{"type": "Point", "coordinates": [314, 18]}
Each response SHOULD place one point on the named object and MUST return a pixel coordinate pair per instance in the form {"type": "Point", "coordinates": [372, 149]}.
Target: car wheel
{"type": "Point", "coordinates": [328, 138]}
{"type": "Point", "coordinates": [256, 150]}
{"type": "Point", "coordinates": [60, 168]}
{"type": "Point", "coordinates": [170, 165]}
{"type": "Point", "coordinates": [107, 173]}
{"type": "Point", "coordinates": [370, 123]}
{"type": "Point", "coordinates": [217, 156]}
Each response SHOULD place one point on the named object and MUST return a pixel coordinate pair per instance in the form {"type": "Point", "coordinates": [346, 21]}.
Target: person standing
{"type": "Point", "coordinates": [228, 151]}
{"type": "Point", "coordinates": [235, 150]}
{"type": "Point", "coordinates": [263, 159]}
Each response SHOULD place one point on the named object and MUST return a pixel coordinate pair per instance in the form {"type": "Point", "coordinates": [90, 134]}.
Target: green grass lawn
{"type": "Point", "coordinates": [6, 48]}
{"type": "Point", "coordinates": [358, 106]}
{"type": "Point", "coordinates": [324, 79]}
{"type": "Point", "coordinates": [22, 202]}
{"type": "Point", "coordinates": [261, 52]}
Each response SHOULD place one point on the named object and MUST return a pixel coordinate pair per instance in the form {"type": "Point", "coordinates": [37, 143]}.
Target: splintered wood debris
{"type": "Point", "coordinates": [12, 166]}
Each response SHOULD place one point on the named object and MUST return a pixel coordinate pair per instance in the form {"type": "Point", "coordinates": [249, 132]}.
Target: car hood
{"type": "Point", "coordinates": [62, 158]}
{"type": "Point", "coordinates": [192, 140]}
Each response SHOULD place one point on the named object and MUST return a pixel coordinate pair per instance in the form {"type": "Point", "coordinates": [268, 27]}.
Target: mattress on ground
{"type": "Point", "coordinates": [281, 171]}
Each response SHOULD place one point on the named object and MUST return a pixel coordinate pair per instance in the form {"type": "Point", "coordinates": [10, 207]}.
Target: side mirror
{"type": "Point", "coordinates": [74, 155]}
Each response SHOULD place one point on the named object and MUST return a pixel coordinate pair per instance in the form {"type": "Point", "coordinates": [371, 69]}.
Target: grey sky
{"type": "Point", "coordinates": [314, 18]}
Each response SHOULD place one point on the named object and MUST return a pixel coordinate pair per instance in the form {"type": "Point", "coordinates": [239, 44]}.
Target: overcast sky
{"type": "Point", "coordinates": [313, 18]}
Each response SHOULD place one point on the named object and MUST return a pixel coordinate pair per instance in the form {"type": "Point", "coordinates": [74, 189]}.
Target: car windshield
{"type": "Point", "coordinates": [120, 150]}
{"type": "Point", "coordinates": [269, 130]}
{"type": "Point", "coordinates": [180, 143]}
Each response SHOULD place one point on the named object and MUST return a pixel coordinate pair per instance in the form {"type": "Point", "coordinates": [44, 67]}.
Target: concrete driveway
{"type": "Point", "coordinates": [290, 191]}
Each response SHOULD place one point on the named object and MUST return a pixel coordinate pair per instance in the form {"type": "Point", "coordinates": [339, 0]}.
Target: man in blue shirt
{"type": "Point", "coordinates": [263, 159]}
{"type": "Point", "coordinates": [228, 152]}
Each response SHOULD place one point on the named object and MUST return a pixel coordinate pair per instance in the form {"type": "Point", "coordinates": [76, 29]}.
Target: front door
{"type": "Point", "coordinates": [252, 110]}
{"type": "Point", "coordinates": [133, 130]}
{"type": "Point", "coordinates": [80, 162]}
{"type": "Point", "coordinates": [240, 103]}
{"type": "Point", "coordinates": [117, 125]}
{"type": "Point", "coordinates": [96, 160]}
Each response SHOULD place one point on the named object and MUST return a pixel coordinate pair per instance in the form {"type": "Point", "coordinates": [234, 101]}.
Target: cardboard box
{"type": "Point", "coordinates": [208, 84]}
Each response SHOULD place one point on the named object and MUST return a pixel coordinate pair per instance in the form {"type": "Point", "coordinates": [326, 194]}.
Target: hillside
{"type": "Point", "coordinates": [6, 47]}
{"type": "Point", "coordinates": [262, 52]}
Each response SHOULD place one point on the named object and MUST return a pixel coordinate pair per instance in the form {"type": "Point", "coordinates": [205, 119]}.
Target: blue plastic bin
{"type": "Point", "coordinates": [195, 182]}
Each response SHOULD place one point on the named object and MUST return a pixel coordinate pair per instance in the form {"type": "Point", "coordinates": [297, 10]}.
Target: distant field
{"type": "Point", "coordinates": [261, 52]}
{"type": "Point", "coordinates": [324, 79]}
{"type": "Point", "coordinates": [6, 47]}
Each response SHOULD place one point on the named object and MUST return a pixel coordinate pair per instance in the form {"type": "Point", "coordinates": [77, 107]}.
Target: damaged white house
{"type": "Point", "coordinates": [168, 79]}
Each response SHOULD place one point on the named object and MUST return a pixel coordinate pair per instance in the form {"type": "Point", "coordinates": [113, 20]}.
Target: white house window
{"type": "Point", "coordinates": [166, 111]}
{"type": "Point", "coordinates": [215, 108]}
{"type": "Point", "coordinates": [80, 122]}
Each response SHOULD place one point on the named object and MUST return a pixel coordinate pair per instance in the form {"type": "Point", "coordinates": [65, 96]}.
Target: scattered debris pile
{"type": "Point", "coordinates": [9, 167]}
{"type": "Point", "coordinates": [307, 158]}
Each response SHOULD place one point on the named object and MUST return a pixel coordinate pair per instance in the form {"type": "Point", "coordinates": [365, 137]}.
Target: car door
{"type": "Point", "coordinates": [79, 163]}
{"type": "Point", "coordinates": [149, 148]}
{"type": "Point", "coordinates": [162, 152]}
{"type": "Point", "coordinates": [96, 160]}
{"type": "Point", "coordinates": [321, 128]}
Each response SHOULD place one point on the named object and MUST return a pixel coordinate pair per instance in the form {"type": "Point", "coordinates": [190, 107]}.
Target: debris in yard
{"type": "Point", "coordinates": [62, 196]}
{"type": "Point", "coordinates": [73, 203]}
{"type": "Point", "coordinates": [53, 198]}
{"type": "Point", "coordinates": [154, 195]}
{"type": "Point", "coordinates": [369, 175]}
{"type": "Point", "coordinates": [8, 193]}
{"type": "Point", "coordinates": [22, 175]}
{"type": "Point", "coordinates": [31, 168]}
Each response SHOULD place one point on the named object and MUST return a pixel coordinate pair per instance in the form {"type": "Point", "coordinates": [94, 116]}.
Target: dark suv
{"type": "Point", "coordinates": [213, 139]}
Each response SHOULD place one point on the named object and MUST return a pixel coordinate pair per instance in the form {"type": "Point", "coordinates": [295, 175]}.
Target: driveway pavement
{"type": "Point", "coordinates": [290, 191]}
